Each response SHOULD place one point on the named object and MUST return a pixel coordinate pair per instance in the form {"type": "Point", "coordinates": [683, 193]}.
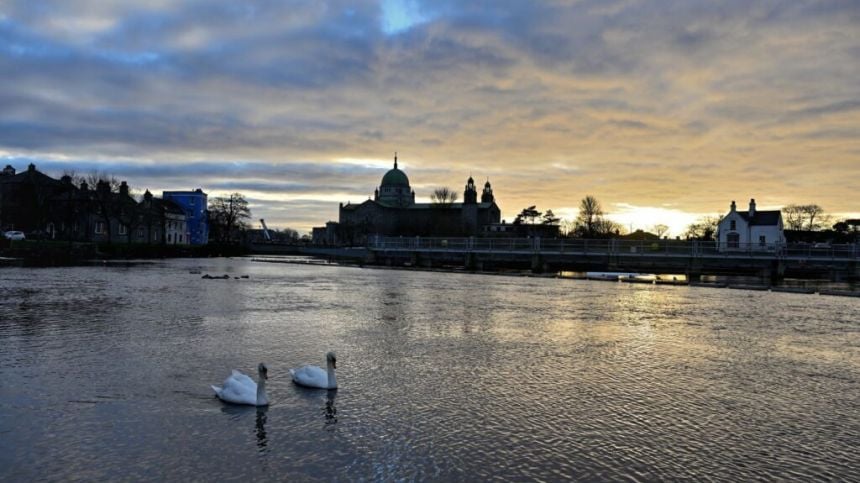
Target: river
{"type": "Point", "coordinates": [105, 374]}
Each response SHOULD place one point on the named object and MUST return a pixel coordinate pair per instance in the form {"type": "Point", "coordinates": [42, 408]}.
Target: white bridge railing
{"type": "Point", "coordinates": [616, 247]}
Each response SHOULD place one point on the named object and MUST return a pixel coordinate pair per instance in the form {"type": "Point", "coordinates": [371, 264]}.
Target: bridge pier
{"type": "Point", "coordinates": [694, 271]}
{"type": "Point", "coordinates": [473, 263]}
{"type": "Point", "coordinates": [425, 261]}
{"type": "Point", "coordinates": [773, 273]}
{"type": "Point", "coordinates": [538, 265]}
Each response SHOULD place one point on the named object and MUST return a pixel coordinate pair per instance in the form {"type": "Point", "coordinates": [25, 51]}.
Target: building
{"type": "Point", "coordinates": [750, 230]}
{"type": "Point", "coordinates": [44, 207]}
{"type": "Point", "coordinates": [194, 204]}
{"type": "Point", "coordinates": [25, 199]}
{"type": "Point", "coordinates": [161, 221]}
{"type": "Point", "coordinates": [393, 212]}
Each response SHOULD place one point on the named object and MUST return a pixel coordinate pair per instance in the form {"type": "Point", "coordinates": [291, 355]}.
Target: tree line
{"type": "Point", "coordinates": [229, 216]}
{"type": "Point", "coordinates": [592, 222]}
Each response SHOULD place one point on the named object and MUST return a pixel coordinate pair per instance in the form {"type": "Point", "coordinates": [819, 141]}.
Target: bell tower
{"type": "Point", "coordinates": [470, 195]}
{"type": "Point", "coordinates": [487, 195]}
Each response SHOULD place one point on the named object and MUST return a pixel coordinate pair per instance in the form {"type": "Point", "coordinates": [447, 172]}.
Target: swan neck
{"type": "Point", "coordinates": [332, 379]}
{"type": "Point", "coordinates": [262, 399]}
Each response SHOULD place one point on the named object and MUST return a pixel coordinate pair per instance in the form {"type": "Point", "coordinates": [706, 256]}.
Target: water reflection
{"type": "Point", "coordinates": [238, 412]}
{"type": "Point", "coordinates": [262, 441]}
{"type": "Point", "coordinates": [330, 410]}
{"type": "Point", "coordinates": [650, 382]}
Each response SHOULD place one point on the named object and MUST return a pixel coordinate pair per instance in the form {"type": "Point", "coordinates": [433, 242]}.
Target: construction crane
{"type": "Point", "coordinates": [265, 230]}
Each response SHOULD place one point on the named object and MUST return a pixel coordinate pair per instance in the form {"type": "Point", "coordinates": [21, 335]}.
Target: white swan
{"type": "Point", "coordinates": [315, 376]}
{"type": "Point", "coordinates": [241, 389]}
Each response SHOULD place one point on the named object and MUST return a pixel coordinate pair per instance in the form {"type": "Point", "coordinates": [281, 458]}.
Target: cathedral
{"type": "Point", "coordinates": [393, 212]}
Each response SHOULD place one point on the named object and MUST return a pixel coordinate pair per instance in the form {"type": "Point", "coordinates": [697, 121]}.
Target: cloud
{"type": "Point", "coordinates": [691, 103]}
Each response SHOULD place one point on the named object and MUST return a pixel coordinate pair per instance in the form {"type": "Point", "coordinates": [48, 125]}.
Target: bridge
{"type": "Point", "coordinates": [692, 258]}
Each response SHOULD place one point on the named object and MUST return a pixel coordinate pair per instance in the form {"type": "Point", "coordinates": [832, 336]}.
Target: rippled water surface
{"type": "Point", "coordinates": [105, 374]}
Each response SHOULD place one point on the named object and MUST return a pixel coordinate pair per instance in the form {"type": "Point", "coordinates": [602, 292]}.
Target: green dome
{"type": "Point", "coordinates": [395, 177]}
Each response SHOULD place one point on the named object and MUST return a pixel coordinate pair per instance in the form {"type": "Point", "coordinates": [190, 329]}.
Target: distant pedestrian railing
{"type": "Point", "coordinates": [615, 247]}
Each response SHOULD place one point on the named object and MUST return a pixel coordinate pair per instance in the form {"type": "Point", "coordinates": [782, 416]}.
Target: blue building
{"type": "Point", "coordinates": [195, 204]}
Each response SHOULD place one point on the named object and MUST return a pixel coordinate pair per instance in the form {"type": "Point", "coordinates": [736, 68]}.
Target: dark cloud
{"type": "Point", "coordinates": [270, 94]}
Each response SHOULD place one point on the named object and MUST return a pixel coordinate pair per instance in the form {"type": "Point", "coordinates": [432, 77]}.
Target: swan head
{"type": "Point", "coordinates": [263, 371]}
{"type": "Point", "coordinates": [331, 359]}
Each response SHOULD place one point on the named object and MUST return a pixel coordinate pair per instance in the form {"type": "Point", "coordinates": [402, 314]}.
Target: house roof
{"type": "Point", "coordinates": [450, 206]}
{"type": "Point", "coordinates": [761, 217]}
{"type": "Point", "coordinates": [171, 206]}
{"type": "Point", "coordinates": [395, 177]}
{"type": "Point", "coordinates": [416, 206]}
{"type": "Point", "coordinates": [31, 175]}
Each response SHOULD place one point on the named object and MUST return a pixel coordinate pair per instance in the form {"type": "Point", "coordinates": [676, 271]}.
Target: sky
{"type": "Point", "coordinates": [665, 111]}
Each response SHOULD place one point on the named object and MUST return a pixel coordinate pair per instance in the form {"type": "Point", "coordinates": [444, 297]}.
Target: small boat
{"type": "Point", "coordinates": [610, 276]}
{"type": "Point", "coordinates": [648, 278]}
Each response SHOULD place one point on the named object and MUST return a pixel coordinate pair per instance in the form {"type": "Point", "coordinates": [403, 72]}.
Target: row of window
{"type": "Point", "coordinates": [101, 229]}
{"type": "Point", "coordinates": [733, 240]}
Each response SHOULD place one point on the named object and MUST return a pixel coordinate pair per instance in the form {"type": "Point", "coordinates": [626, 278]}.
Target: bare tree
{"type": "Point", "coordinates": [568, 227]}
{"type": "Point", "coordinates": [792, 216]}
{"type": "Point", "coordinates": [590, 217]}
{"type": "Point", "coordinates": [809, 217]}
{"type": "Point", "coordinates": [703, 229]}
{"type": "Point", "coordinates": [229, 216]}
{"type": "Point", "coordinates": [95, 176]}
{"type": "Point", "coordinates": [443, 196]}
{"type": "Point", "coordinates": [660, 229]}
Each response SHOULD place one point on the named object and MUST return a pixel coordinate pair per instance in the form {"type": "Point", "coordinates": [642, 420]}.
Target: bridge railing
{"type": "Point", "coordinates": [615, 247]}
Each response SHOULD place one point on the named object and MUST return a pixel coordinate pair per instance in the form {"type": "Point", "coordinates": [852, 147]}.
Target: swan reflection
{"type": "Point", "coordinates": [330, 411]}
{"type": "Point", "coordinates": [262, 442]}
{"type": "Point", "coordinates": [237, 412]}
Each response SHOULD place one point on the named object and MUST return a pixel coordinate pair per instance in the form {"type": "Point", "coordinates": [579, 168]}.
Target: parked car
{"type": "Point", "coordinates": [14, 235]}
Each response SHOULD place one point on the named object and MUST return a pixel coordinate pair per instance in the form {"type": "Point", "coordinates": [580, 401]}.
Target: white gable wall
{"type": "Point", "coordinates": [772, 235]}
{"type": "Point", "coordinates": [741, 228]}
{"type": "Point", "coordinates": [748, 236]}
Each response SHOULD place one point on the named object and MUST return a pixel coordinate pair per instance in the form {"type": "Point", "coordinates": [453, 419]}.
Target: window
{"type": "Point", "coordinates": [100, 228]}
{"type": "Point", "coordinates": [734, 240]}
{"type": "Point", "coordinates": [733, 225]}
{"type": "Point", "coordinates": [123, 229]}
{"type": "Point", "coordinates": [762, 241]}
{"type": "Point", "coordinates": [140, 232]}
{"type": "Point", "coordinates": [169, 238]}
{"type": "Point", "coordinates": [155, 235]}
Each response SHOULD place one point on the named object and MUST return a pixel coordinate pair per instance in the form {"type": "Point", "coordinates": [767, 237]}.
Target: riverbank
{"type": "Point", "coordinates": [50, 253]}
{"type": "Point", "coordinates": [807, 287]}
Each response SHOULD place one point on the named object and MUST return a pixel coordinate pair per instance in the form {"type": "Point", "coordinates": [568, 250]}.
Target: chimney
{"type": "Point", "coordinates": [103, 186]}
{"type": "Point", "coordinates": [8, 170]}
{"type": "Point", "coordinates": [734, 206]}
{"type": "Point", "coordinates": [752, 207]}
{"type": "Point", "coordinates": [84, 186]}
{"type": "Point", "coordinates": [123, 188]}
{"type": "Point", "coordinates": [31, 167]}
{"type": "Point", "coordinates": [147, 196]}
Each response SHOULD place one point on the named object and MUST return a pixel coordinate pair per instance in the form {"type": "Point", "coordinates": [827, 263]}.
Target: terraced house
{"type": "Point", "coordinates": [47, 208]}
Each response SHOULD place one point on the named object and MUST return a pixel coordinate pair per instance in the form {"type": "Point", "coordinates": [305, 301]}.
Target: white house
{"type": "Point", "coordinates": [750, 230]}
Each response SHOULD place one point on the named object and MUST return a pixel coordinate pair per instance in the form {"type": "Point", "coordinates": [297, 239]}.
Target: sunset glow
{"type": "Point", "coordinates": [664, 111]}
